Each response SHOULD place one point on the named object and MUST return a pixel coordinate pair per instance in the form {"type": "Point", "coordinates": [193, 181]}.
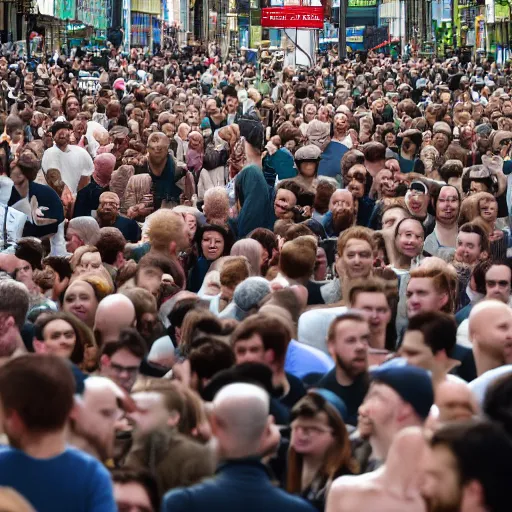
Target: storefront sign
{"type": "Point", "coordinates": [362, 3]}
{"type": "Point", "coordinates": [292, 17]}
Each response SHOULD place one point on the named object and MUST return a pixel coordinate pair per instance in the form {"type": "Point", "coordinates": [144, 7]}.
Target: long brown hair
{"type": "Point", "coordinates": [338, 460]}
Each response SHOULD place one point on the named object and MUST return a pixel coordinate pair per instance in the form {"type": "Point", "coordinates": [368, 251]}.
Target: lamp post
{"type": "Point", "coordinates": [342, 31]}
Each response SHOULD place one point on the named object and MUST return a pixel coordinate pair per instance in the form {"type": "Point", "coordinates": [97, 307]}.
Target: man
{"type": "Point", "coordinates": [284, 203]}
{"type": "Point", "coordinates": [417, 200]}
{"type": "Point", "coordinates": [67, 479]}
{"type": "Point", "coordinates": [120, 360]}
{"type": "Point", "coordinates": [114, 313]}
{"type": "Point", "coordinates": [374, 158]}
{"type": "Point", "coordinates": [264, 338]}
{"type": "Point", "coordinates": [498, 279]}
{"type": "Point", "coordinates": [369, 295]}
{"type": "Point", "coordinates": [14, 303]}
{"type": "Point", "coordinates": [135, 489]}
{"type": "Point", "coordinates": [94, 417]}
{"type": "Point", "coordinates": [455, 401]}
{"type": "Point", "coordinates": [108, 216]}
{"type": "Point", "coordinates": [81, 231]}
{"type": "Point", "coordinates": [151, 269]}
{"type": "Point", "coordinates": [392, 488]}
{"type": "Point", "coordinates": [444, 237]}
{"type": "Point", "coordinates": [73, 162]}
{"type": "Point", "coordinates": [467, 468]}
{"type": "Point", "coordinates": [111, 248]}
{"type": "Point", "coordinates": [242, 427]}
{"type": "Point", "coordinates": [340, 143]}
{"type": "Point", "coordinates": [176, 459]}
{"type": "Point", "coordinates": [168, 234]}
{"type": "Point", "coordinates": [409, 150]}
{"type": "Point", "coordinates": [399, 397]}
{"type": "Point", "coordinates": [297, 262]}
{"type": "Point", "coordinates": [428, 343]}
{"type": "Point", "coordinates": [347, 340]}
{"type": "Point", "coordinates": [354, 259]}
{"type": "Point", "coordinates": [342, 213]}
{"type": "Point", "coordinates": [490, 332]}
{"type": "Point", "coordinates": [163, 171]}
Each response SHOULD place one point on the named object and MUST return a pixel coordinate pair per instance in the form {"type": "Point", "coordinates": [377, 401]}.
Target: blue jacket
{"type": "Point", "coordinates": [239, 485]}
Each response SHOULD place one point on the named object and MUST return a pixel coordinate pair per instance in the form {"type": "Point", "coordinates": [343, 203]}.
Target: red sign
{"type": "Point", "coordinates": [292, 17]}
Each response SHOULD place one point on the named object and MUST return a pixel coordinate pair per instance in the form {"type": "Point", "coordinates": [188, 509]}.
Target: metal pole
{"type": "Point", "coordinates": [342, 31]}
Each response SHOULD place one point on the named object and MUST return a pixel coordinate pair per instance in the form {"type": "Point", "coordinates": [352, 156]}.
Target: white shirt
{"type": "Point", "coordinates": [73, 163]}
{"type": "Point", "coordinates": [14, 227]}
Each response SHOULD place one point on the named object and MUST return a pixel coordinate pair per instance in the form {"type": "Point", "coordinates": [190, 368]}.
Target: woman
{"type": "Point", "coordinates": [320, 449]}
{"type": "Point", "coordinates": [213, 242]}
{"type": "Point", "coordinates": [83, 295]}
{"type": "Point", "coordinates": [59, 334]}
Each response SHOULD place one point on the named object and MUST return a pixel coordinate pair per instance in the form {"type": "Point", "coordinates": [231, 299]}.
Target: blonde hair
{"type": "Point", "coordinates": [216, 205]}
{"type": "Point", "coordinates": [80, 251]}
{"type": "Point", "coordinates": [165, 226]}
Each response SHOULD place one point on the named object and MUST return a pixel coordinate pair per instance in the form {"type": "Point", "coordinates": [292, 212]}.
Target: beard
{"type": "Point", "coordinates": [342, 219]}
{"type": "Point", "coordinates": [106, 219]}
{"type": "Point", "coordinates": [348, 368]}
{"type": "Point", "coordinates": [434, 505]}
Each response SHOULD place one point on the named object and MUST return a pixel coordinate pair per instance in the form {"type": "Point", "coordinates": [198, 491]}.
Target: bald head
{"type": "Point", "coordinates": [8, 262]}
{"type": "Point", "coordinates": [455, 400]}
{"type": "Point", "coordinates": [240, 419]}
{"type": "Point", "coordinates": [490, 332]}
{"type": "Point", "coordinates": [114, 313]}
{"type": "Point", "coordinates": [341, 198]}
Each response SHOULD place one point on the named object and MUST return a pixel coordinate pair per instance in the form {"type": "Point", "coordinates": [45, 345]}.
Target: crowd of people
{"type": "Point", "coordinates": [236, 287]}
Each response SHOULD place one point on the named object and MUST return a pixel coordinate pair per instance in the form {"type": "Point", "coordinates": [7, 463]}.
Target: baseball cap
{"type": "Point", "coordinates": [413, 384]}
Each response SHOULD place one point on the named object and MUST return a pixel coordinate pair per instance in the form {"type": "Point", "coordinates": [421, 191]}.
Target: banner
{"type": "Point", "coordinates": [292, 17]}
{"type": "Point", "coordinates": [362, 3]}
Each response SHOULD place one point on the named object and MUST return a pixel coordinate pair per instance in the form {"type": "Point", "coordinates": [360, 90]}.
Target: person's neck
{"type": "Point", "coordinates": [279, 380]}
{"type": "Point", "coordinates": [157, 166]}
{"type": "Point", "coordinates": [446, 233]}
{"type": "Point", "coordinates": [45, 446]}
{"type": "Point", "coordinates": [342, 378]}
{"type": "Point", "coordinates": [22, 188]}
{"type": "Point", "coordinates": [311, 465]}
{"type": "Point", "coordinates": [306, 181]}
{"type": "Point", "coordinates": [167, 254]}
{"type": "Point", "coordinates": [378, 339]}
{"type": "Point", "coordinates": [62, 148]}
{"type": "Point", "coordinates": [83, 444]}
{"type": "Point", "coordinates": [339, 135]}
{"type": "Point", "coordinates": [374, 167]}
{"type": "Point", "coordinates": [407, 155]}
{"type": "Point", "coordinates": [484, 362]}
{"type": "Point", "coordinates": [380, 445]}
{"type": "Point", "coordinates": [252, 157]}
{"type": "Point", "coordinates": [403, 262]}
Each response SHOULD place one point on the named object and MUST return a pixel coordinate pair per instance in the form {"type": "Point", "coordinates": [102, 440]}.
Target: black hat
{"type": "Point", "coordinates": [60, 125]}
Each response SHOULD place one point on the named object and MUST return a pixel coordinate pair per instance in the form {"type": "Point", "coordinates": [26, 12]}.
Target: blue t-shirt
{"type": "Point", "coordinates": [72, 481]}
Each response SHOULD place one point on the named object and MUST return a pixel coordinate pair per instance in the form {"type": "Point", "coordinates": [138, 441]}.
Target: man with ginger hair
{"type": "Point", "coordinates": [168, 233]}
{"type": "Point", "coordinates": [216, 206]}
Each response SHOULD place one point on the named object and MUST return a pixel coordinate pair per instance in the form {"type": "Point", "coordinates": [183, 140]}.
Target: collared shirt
{"type": "Point", "coordinates": [73, 163]}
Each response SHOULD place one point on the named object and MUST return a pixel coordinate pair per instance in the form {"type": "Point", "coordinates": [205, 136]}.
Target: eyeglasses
{"type": "Point", "coordinates": [310, 430]}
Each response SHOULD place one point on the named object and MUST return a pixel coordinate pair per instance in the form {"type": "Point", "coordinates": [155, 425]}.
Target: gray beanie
{"type": "Point", "coordinates": [248, 295]}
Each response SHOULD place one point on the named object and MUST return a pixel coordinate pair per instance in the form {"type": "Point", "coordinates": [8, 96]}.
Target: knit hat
{"type": "Point", "coordinates": [247, 295]}
{"type": "Point", "coordinates": [413, 384]}
{"type": "Point", "coordinates": [334, 400]}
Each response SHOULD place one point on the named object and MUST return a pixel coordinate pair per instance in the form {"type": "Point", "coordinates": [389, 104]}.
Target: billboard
{"type": "Point", "coordinates": [293, 17]}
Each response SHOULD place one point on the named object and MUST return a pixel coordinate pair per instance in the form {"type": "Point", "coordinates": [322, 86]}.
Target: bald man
{"type": "Point", "coordinates": [490, 332]}
{"type": "Point", "coordinates": [94, 417]}
{"type": "Point", "coordinates": [395, 487]}
{"type": "Point", "coordinates": [107, 215]}
{"type": "Point", "coordinates": [115, 312]}
{"type": "Point", "coordinates": [244, 430]}
{"type": "Point", "coordinates": [455, 400]}
{"type": "Point", "coordinates": [8, 263]}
